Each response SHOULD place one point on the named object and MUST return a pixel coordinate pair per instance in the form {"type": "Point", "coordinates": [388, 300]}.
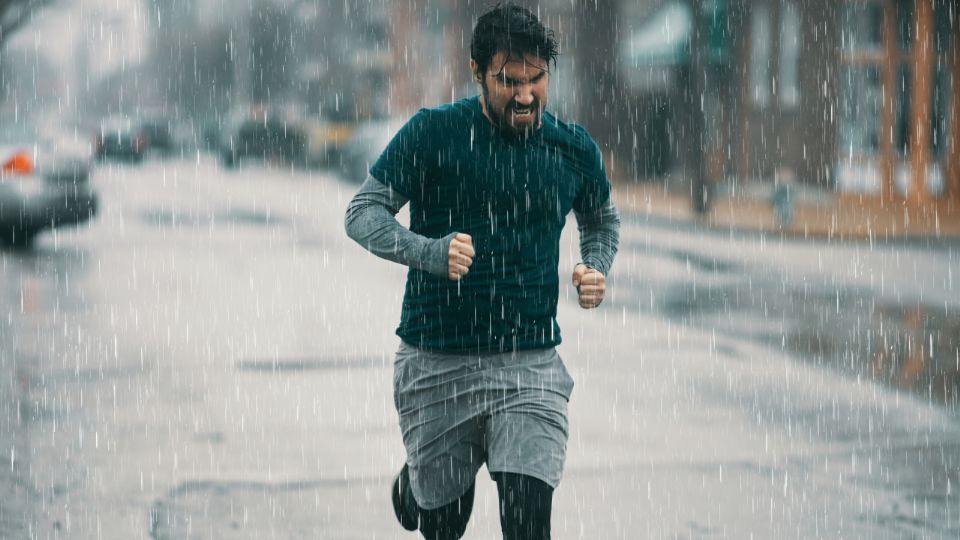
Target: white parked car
{"type": "Point", "coordinates": [43, 182]}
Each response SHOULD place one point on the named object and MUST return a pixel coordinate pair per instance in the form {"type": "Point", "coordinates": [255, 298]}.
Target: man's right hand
{"type": "Point", "coordinates": [459, 256]}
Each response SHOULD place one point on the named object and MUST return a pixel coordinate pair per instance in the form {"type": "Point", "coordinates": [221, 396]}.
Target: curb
{"type": "Point", "coordinates": [844, 219]}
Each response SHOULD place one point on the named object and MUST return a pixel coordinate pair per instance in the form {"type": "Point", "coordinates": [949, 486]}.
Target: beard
{"type": "Point", "coordinates": [504, 119]}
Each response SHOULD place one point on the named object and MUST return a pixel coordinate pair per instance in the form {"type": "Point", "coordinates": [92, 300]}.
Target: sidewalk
{"type": "Point", "coordinates": [816, 214]}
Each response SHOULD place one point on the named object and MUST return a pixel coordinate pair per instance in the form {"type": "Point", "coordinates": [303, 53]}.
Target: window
{"type": "Point", "coordinates": [943, 84]}
{"type": "Point", "coordinates": [902, 92]}
{"type": "Point", "coordinates": [760, 55]}
{"type": "Point", "coordinates": [862, 24]}
{"type": "Point", "coordinates": [906, 23]}
{"type": "Point", "coordinates": [789, 54]}
{"type": "Point", "coordinates": [880, 108]}
{"type": "Point", "coordinates": [861, 103]}
{"type": "Point", "coordinates": [861, 124]}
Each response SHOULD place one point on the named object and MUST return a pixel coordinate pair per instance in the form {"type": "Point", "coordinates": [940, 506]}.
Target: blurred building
{"type": "Point", "coordinates": [306, 57]}
{"type": "Point", "coordinates": [346, 61]}
{"type": "Point", "coordinates": [856, 96]}
{"type": "Point", "coordinates": [56, 64]}
{"type": "Point", "coordinates": [859, 97]}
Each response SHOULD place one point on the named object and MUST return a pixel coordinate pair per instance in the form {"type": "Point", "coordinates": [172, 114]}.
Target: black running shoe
{"type": "Point", "coordinates": [400, 484]}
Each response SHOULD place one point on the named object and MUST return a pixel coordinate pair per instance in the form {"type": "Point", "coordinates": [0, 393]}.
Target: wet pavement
{"type": "Point", "coordinates": [212, 359]}
{"type": "Point", "coordinates": [909, 346]}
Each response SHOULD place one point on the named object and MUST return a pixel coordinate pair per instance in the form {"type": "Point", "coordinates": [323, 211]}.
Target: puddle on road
{"type": "Point", "coordinates": [241, 509]}
{"type": "Point", "coordinates": [910, 347]}
{"type": "Point", "coordinates": [914, 348]}
{"type": "Point", "coordinates": [236, 216]}
{"type": "Point", "coordinates": [693, 260]}
{"type": "Point", "coordinates": [266, 365]}
{"type": "Point", "coordinates": [917, 348]}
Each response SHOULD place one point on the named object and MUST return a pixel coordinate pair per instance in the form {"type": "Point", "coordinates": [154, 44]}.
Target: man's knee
{"type": "Point", "coordinates": [525, 506]}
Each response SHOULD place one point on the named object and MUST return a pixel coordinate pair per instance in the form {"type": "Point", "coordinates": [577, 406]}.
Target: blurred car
{"type": "Point", "coordinates": [159, 136]}
{"type": "Point", "coordinates": [43, 182]}
{"type": "Point", "coordinates": [326, 140]}
{"type": "Point", "coordinates": [261, 137]}
{"type": "Point", "coordinates": [122, 139]}
{"type": "Point", "coordinates": [210, 133]}
{"type": "Point", "coordinates": [366, 144]}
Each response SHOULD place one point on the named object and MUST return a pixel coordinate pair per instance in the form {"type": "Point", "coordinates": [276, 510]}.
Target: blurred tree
{"type": "Point", "coordinates": [14, 13]}
{"type": "Point", "coordinates": [273, 32]}
{"type": "Point", "coordinates": [407, 40]}
{"type": "Point", "coordinates": [600, 99]}
{"type": "Point", "coordinates": [190, 58]}
{"type": "Point", "coordinates": [694, 98]}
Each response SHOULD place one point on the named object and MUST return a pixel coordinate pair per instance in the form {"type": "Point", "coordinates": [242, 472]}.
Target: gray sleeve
{"type": "Point", "coordinates": [371, 222]}
{"type": "Point", "coordinates": [599, 237]}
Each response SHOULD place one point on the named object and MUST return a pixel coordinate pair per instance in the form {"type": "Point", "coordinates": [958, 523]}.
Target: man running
{"type": "Point", "coordinates": [490, 181]}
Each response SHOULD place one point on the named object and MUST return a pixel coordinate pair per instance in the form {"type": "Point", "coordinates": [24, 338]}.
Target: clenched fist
{"type": "Point", "coordinates": [459, 256]}
{"type": "Point", "coordinates": [590, 285]}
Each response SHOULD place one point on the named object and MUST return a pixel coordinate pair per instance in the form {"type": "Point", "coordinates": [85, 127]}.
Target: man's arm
{"type": "Point", "coordinates": [371, 222]}
{"type": "Point", "coordinates": [599, 238]}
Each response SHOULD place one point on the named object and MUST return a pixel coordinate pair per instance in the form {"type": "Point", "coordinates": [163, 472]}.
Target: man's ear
{"type": "Point", "coordinates": [474, 70]}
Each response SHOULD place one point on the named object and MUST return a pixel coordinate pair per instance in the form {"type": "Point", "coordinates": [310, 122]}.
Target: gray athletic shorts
{"type": "Point", "coordinates": [458, 412]}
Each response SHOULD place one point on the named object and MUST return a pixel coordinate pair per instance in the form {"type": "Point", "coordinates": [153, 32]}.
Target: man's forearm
{"type": "Point", "coordinates": [599, 237]}
{"type": "Point", "coordinates": [371, 222]}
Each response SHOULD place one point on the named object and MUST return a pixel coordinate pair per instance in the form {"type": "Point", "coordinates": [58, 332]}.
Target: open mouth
{"type": "Point", "coordinates": [523, 114]}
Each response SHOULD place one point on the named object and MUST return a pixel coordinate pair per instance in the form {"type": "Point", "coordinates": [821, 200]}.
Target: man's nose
{"type": "Point", "coordinates": [523, 95]}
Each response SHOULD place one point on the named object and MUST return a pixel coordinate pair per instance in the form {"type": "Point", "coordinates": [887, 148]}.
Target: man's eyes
{"type": "Point", "coordinates": [514, 82]}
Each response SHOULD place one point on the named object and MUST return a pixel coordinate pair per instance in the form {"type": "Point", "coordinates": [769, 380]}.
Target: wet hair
{"type": "Point", "coordinates": [512, 29]}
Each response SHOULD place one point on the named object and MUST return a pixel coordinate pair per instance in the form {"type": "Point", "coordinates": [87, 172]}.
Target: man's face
{"type": "Point", "coordinates": [514, 92]}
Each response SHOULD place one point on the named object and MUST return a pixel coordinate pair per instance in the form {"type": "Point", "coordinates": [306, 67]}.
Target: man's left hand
{"type": "Point", "coordinates": [590, 284]}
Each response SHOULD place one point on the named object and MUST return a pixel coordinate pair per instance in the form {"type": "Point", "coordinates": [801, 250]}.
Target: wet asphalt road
{"type": "Point", "coordinates": [211, 359]}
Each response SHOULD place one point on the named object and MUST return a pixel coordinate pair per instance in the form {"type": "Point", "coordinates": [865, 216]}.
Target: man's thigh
{"type": "Point", "coordinates": [527, 428]}
{"type": "Point", "coordinates": [439, 401]}
{"type": "Point", "coordinates": [530, 440]}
